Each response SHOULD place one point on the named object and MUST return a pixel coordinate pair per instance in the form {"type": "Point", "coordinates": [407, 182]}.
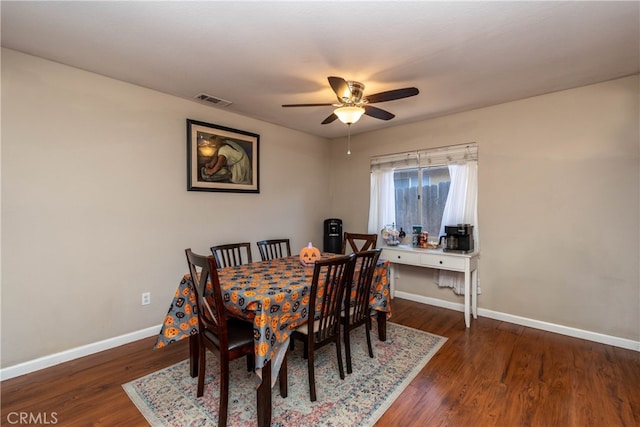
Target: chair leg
{"type": "Point", "coordinates": [283, 377]}
{"type": "Point", "coordinates": [224, 391]}
{"type": "Point", "coordinates": [250, 362]}
{"type": "Point", "coordinates": [368, 331]}
{"type": "Point", "coordinates": [201, 362]}
{"type": "Point", "coordinates": [312, 376]}
{"type": "Point", "coordinates": [347, 348]}
{"type": "Point", "coordinates": [339, 352]}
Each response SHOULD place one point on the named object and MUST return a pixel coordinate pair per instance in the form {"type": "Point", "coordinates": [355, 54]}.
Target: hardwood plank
{"type": "Point", "coordinates": [492, 374]}
{"type": "Point", "coordinates": [88, 390]}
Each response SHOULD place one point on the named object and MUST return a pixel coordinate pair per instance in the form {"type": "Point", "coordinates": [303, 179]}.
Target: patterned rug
{"type": "Point", "coordinates": [168, 397]}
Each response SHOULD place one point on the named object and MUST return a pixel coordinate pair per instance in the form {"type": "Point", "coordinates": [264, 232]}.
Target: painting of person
{"type": "Point", "coordinates": [228, 162]}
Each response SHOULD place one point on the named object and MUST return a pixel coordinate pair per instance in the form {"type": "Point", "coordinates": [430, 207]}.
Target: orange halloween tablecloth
{"type": "Point", "coordinates": [273, 294]}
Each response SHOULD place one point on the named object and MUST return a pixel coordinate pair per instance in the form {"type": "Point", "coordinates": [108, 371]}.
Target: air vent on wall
{"type": "Point", "coordinates": [213, 100]}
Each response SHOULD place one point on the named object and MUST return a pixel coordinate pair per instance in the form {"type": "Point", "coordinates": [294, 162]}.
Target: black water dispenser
{"type": "Point", "coordinates": [332, 235]}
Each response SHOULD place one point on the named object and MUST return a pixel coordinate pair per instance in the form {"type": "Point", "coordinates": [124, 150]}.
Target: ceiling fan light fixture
{"type": "Point", "coordinates": [349, 114]}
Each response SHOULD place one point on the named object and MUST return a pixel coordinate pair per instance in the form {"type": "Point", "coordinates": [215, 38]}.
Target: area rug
{"type": "Point", "coordinates": [168, 397]}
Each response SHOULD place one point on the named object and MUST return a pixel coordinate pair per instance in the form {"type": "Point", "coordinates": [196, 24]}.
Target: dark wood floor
{"type": "Point", "coordinates": [492, 374]}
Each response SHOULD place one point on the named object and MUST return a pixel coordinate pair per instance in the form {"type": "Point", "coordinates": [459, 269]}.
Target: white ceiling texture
{"type": "Point", "coordinates": [260, 55]}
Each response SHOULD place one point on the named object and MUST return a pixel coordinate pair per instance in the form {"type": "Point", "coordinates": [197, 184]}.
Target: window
{"type": "Point", "coordinates": [421, 201]}
{"type": "Point", "coordinates": [431, 188]}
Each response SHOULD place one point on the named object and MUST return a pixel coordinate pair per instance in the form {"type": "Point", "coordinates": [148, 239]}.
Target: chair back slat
{"type": "Point", "coordinates": [232, 254]}
{"type": "Point", "coordinates": [359, 242]}
{"type": "Point", "coordinates": [274, 248]}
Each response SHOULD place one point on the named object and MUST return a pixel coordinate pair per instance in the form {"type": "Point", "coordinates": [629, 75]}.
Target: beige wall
{"type": "Point", "coordinates": [95, 209]}
{"type": "Point", "coordinates": [559, 208]}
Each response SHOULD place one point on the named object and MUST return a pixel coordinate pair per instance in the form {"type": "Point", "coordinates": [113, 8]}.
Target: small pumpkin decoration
{"type": "Point", "coordinates": [309, 255]}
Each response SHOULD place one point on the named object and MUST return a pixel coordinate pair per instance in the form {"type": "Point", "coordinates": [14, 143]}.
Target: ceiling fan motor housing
{"type": "Point", "coordinates": [357, 90]}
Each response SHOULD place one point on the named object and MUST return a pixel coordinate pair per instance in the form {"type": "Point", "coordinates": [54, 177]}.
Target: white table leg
{"type": "Point", "coordinates": [392, 280]}
{"type": "Point", "coordinates": [467, 294]}
{"type": "Point", "coordinates": [474, 293]}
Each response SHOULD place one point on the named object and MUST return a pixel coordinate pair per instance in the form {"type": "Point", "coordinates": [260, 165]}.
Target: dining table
{"type": "Point", "coordinates": [274, 296]}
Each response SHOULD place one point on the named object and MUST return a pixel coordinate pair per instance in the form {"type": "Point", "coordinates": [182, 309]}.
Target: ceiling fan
{"type": "Point", "coordinates": [352, 103]}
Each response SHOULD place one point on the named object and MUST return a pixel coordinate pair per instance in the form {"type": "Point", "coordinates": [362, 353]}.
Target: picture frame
{"type": "Point", "coordinates": [223, 159]}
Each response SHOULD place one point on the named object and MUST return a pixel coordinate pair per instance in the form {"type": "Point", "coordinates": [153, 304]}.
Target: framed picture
{"type": "Point", "coordinates": [222, 159]}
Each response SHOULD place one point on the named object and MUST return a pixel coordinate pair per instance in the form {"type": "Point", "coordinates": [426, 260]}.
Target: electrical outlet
{"type": "Point", "coordinates": [146, 298]}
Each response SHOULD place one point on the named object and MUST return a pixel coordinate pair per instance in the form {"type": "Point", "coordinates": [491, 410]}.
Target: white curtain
{"type": "Point", "coordinates": [382, 205]}
{"type": "Point", "coordinates": [461, 208]}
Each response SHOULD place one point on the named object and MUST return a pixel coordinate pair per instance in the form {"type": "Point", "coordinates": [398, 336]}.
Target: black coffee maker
{"type": "Point", "coordinates": [458, 238]}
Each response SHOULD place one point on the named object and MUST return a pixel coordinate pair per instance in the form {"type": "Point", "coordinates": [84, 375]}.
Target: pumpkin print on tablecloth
{"type": "Point", "coordinates": [171, 332]}
{"type": "Point", "coordinates": [260, 320]}
{"type": "Point", "coordinates": [284, 318]}
{"type": "Point", "coordinates": [274, 322]}
{"type": "Point", "coordinates": [263, 347]}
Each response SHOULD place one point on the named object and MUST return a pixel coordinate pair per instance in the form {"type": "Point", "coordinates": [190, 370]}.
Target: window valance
{"type": "Point", "coordinates": [440, 156]}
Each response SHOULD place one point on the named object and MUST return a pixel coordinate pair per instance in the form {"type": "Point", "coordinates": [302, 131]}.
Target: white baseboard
{"type": "Point", "coordinates": [74, 353]}
{"type": "Point", "coordinates": [532, 323]}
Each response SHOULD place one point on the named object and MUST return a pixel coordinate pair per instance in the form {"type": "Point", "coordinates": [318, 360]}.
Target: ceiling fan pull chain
{"type": "Point", "coordinates": [348, 140]}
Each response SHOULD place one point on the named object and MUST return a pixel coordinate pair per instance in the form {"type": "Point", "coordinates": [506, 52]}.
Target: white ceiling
{"type": "Point", "coordinates": [260, 55]}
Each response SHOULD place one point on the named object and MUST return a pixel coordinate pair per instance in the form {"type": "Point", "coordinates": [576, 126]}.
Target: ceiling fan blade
{"type": "Point", "coordinates": [340, 87]}
{"type": "Point", "coordinates": [306, 105]}
{"type": "Point", "coordinates": [390, 95]}
{"type": "Point", "coordinates": [329, 119]}
{"type": "Point", "coordinates": [378, 113]}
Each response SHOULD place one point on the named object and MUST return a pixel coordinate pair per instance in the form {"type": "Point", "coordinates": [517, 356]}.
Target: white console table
{"type": "Point", "coordinates": [436, 258]}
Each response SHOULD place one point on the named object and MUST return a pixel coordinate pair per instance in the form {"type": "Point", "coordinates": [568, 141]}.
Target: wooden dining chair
{"type": "Point", "coordinates": [357, 306]}
{"type": "Point", "coordinates": [359, 242]}
{"type": "Point", "coordinates": [325, 303]}
{"type": "Point", "coordinates": [232, 254]}
{"type": "Point", "coordinates": [274, 248]}
{"type": "Point", "coordinates": [230, 337]}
